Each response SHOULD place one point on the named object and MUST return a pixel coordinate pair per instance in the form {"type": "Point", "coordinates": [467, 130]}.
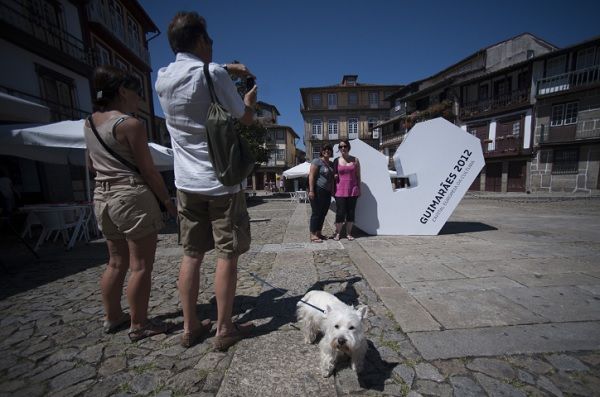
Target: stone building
{"type": "Point", "coordinates": [567, 119]}
{"type": "Point", "coordinates": [346, 110]}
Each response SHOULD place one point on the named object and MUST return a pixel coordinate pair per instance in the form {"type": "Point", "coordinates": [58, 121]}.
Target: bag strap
{"type": "Point", "coordinates": [209, 82]}
{"type": "Point", "coordinates": [108, 149]}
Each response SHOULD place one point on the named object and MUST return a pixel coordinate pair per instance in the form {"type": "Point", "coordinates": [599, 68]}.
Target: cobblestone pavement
{"type": "Point", "coordinates": [51, 341]}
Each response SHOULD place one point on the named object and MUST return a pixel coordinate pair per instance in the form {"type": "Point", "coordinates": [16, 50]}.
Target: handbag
{"type": "Point", "coordinates": [229, 152]}
{"type": "Point", "coordinates": [120, 158]}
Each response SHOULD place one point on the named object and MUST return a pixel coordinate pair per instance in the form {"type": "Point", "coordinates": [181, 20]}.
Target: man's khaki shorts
{"type": "Point", "coordinates": [126, 211]}
{"type": "Point", "coordinates": [219, 222]}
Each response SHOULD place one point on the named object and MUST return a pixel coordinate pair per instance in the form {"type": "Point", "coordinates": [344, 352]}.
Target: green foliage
{"type": "Point", "coordinates": [256, 135]}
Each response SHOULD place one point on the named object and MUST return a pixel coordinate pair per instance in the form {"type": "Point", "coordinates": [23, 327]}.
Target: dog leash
{"type": "Point", "coordinates": [284, 292]}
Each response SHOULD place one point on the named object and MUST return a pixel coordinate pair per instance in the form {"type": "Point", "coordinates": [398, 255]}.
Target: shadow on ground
{"type": "Point", "coordinates": [21, 271]}
{"type": "Point", "coordinates": [273, 309]}
{"type": "Point", "coordinates": [465, 227]}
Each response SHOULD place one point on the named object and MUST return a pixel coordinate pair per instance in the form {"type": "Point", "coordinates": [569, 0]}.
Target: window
{"type": "Point", "coordinates": [373, 99]}
{"type": "Point", "coordinates": [502, 87]}
{"type": "Point", "coordinates": [585, 58]}
{"type": "Point", "coordinates": [317, 127]}
{"type": "Point", "coordinates": [484, 92]}
{"type": "Point", "coordinates": [372, 122]}
{"type": "Point", "coordinates": [121, 64]}
{"type": "Point", "coordinates": [332, 100]}
{"type": "Point", "coordinates": [566, 161]}
{"type": "Point", "coordinates": [133, 30]}
{"type": "Point", "coordinates": [280, 135]}
{"type": "Point", "coordinates": [556, 66]}
{"type": "Point", "coordinates": [352, 98]}
{"type": "Point", "coordinates": [103, 55]}
{"type": "Point", "coordinates": [316, 152]}
{"type": "Point", "coordinates": [332, 127]}
{"type": "Point", "coordinates": [564, 114]}
{"type": "Point", "coordinates": [139, 76]}
{"type": "Point", "coordinates": [398, 104]}
{"type": "Point", "coordinates": [315, 100]}
{"type": "Point", "coordinates": [116, 16]}
{"type": "Point", "coordinates": [352, 126]}
{"type": "Point", "coordinates": [280, 155]}
{"type": "Point", "coordinates": [59, 92]}
{"type": "Point", "coordinates": [516, 128]}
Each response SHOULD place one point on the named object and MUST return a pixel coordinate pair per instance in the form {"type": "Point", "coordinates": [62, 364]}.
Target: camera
{"type": "Point", "coordinates": [250, 83]}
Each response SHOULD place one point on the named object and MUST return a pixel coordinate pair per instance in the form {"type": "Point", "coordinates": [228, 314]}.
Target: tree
{"type": "Point", "coordinates": [255, 134]}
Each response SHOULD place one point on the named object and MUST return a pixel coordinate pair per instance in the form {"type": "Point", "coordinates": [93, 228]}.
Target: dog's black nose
{"type": "Point", "coordinates": [341, 340]}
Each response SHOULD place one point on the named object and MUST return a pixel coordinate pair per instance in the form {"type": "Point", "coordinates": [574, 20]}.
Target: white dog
{"type": "Point", "coordinates": [341, 326]}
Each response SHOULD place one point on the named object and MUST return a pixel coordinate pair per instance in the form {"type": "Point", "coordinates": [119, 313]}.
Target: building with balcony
{"type": "Point", "coordinates": [346, 110]}
{"type": "Point", "coordinates": [567, 114]}
{"type": "Point", "coordinates": [489, 94]}
{"type": "Point", "coordinates": [48, 62]}
{"type": "Point", "coordinates": [281, 142]}
{"type": "Point", "coordinates": [117, 31]}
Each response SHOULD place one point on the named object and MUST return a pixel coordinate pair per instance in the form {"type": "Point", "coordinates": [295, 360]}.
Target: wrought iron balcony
{"type": "Point", "coordinates": [13, 13]}
{"type": "Point", "coordinates": [575, 79]}
{"type": "Point", "coordinates": [581, 131]}
{"type": "Point", "coordinates": [500, 103]}
{"type": "Point", "coordinates": [506, 145]}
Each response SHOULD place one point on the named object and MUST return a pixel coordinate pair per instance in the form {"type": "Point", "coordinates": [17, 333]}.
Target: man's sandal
{"type": "Point", "coordinates": [316, 240]}
{"type": "Point", "coordinates": [189, 339]}
{"type": "Point", "coordinates": [148, 330]}
{"type": "Point", "coordinates": [222, 343]}
{"type": "Point", "coordinates": [110, 327]}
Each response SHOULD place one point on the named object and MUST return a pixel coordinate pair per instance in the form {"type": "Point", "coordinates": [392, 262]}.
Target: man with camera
{"type": "Point", "coordinates": [211, 215]}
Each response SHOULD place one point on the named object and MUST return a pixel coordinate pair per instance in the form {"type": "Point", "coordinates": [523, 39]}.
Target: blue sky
{"type": "Point", "coordinates": [293, 44]}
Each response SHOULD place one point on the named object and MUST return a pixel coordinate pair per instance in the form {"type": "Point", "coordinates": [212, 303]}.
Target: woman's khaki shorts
{"type": "Point", "coordinates": [126, 211]}
{"type": "Point", "coordinates": [219, 222]}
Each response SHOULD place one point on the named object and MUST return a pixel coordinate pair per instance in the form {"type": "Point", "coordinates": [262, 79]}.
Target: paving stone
{"type": "Point", "coordinates": [144, 383]}
{"type": "Point", "coordinates": [29, 391]}
{"type": "Point", "coordinates": [92, 354]}
{"type": "Point", "coordinates": [53, 371]}
{"type": "Point", "coordinates": [428, 372]}
{"type": "Point", "coordinates": [592, 359]}
{"type": "Point", "coordinates": [11, 386]}
{"type": "Point", "coordinates": [465, 387]}
{"type": "Point", "coordinates": [432, 388]}
{"type": "Point", "coordinates": [112, 365]}
{"type": "Point", "coordinates": [498, 388]}
{"type": "Point", "coordinates": [531, 364]}
{"type": "Point", "coordinates": [451, 367]}
{"type": "Point", "coordinates": [75, 389]}
{"type": "Point", "coordinates": [413, 393]}
{"type": "Point", "coordinates": [492, 367]}
{"type": "Point", "coordinates": [525, 377]}
{"type": "Point", "coordinates": [563, 362]}
{"type": "Point", "coordinates": [545, 384]}
{"type": "Point", "coordinates": [72, 377]}
{"type": "Point", "coordinates": [405, 372]}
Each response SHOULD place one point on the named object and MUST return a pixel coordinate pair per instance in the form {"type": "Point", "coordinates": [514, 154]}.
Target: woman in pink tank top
{"type": "Point", "coordinates": [347, 189]}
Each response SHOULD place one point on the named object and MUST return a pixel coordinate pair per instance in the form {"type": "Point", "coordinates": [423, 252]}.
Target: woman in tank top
{"type": "Point", "coordinates": [125, 200]}
{"type": "Point", "coordinates": [347, 189]}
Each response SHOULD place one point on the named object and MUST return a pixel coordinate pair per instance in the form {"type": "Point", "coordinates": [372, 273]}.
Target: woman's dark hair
{"type": "Point", "coordinates": [324, 148]}
{"type": "Point", "coordinates": [347, 142]}
{"type": "Point", "coordinates": [185, 30]}
{"type": "Point", "coordinates": [107, 81]}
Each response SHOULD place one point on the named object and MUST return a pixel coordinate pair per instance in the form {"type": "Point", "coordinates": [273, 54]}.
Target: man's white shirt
{"type": "Point", "coordinates": [184, 97]}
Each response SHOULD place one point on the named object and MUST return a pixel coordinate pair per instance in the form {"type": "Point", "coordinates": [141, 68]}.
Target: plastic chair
{"type": "Point", "coordinates": [56, 220]}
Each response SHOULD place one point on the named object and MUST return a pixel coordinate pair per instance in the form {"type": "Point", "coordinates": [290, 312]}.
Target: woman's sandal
{"type": "Point", "coordinates": [110, 327]}
{"type": "Point", "coordinates": [148, 330]}
{"type": "Point", "coordinates": [222, 343]}
{"type": "Point", "coordinates": [336, 237]}
{"type": "Point", "coordinates": [350, 238]}
{"type": "Point", "coordinates": [315, 240]}
{"type": "Point", "coordinates": [189, 339]}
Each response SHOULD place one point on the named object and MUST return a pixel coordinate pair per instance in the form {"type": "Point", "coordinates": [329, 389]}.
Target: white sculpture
{"type": "Point", "coordinates": [440, 160]}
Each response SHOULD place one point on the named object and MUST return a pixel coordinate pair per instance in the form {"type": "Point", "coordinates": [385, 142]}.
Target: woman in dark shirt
{"type": "Point", "coordinates": [320, 182]}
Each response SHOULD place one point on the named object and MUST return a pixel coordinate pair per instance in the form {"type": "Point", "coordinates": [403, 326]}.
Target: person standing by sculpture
{"type": "Point", "coordinates": [347, 189]}
{"type": "Point", "coordinates": [320, 185]}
